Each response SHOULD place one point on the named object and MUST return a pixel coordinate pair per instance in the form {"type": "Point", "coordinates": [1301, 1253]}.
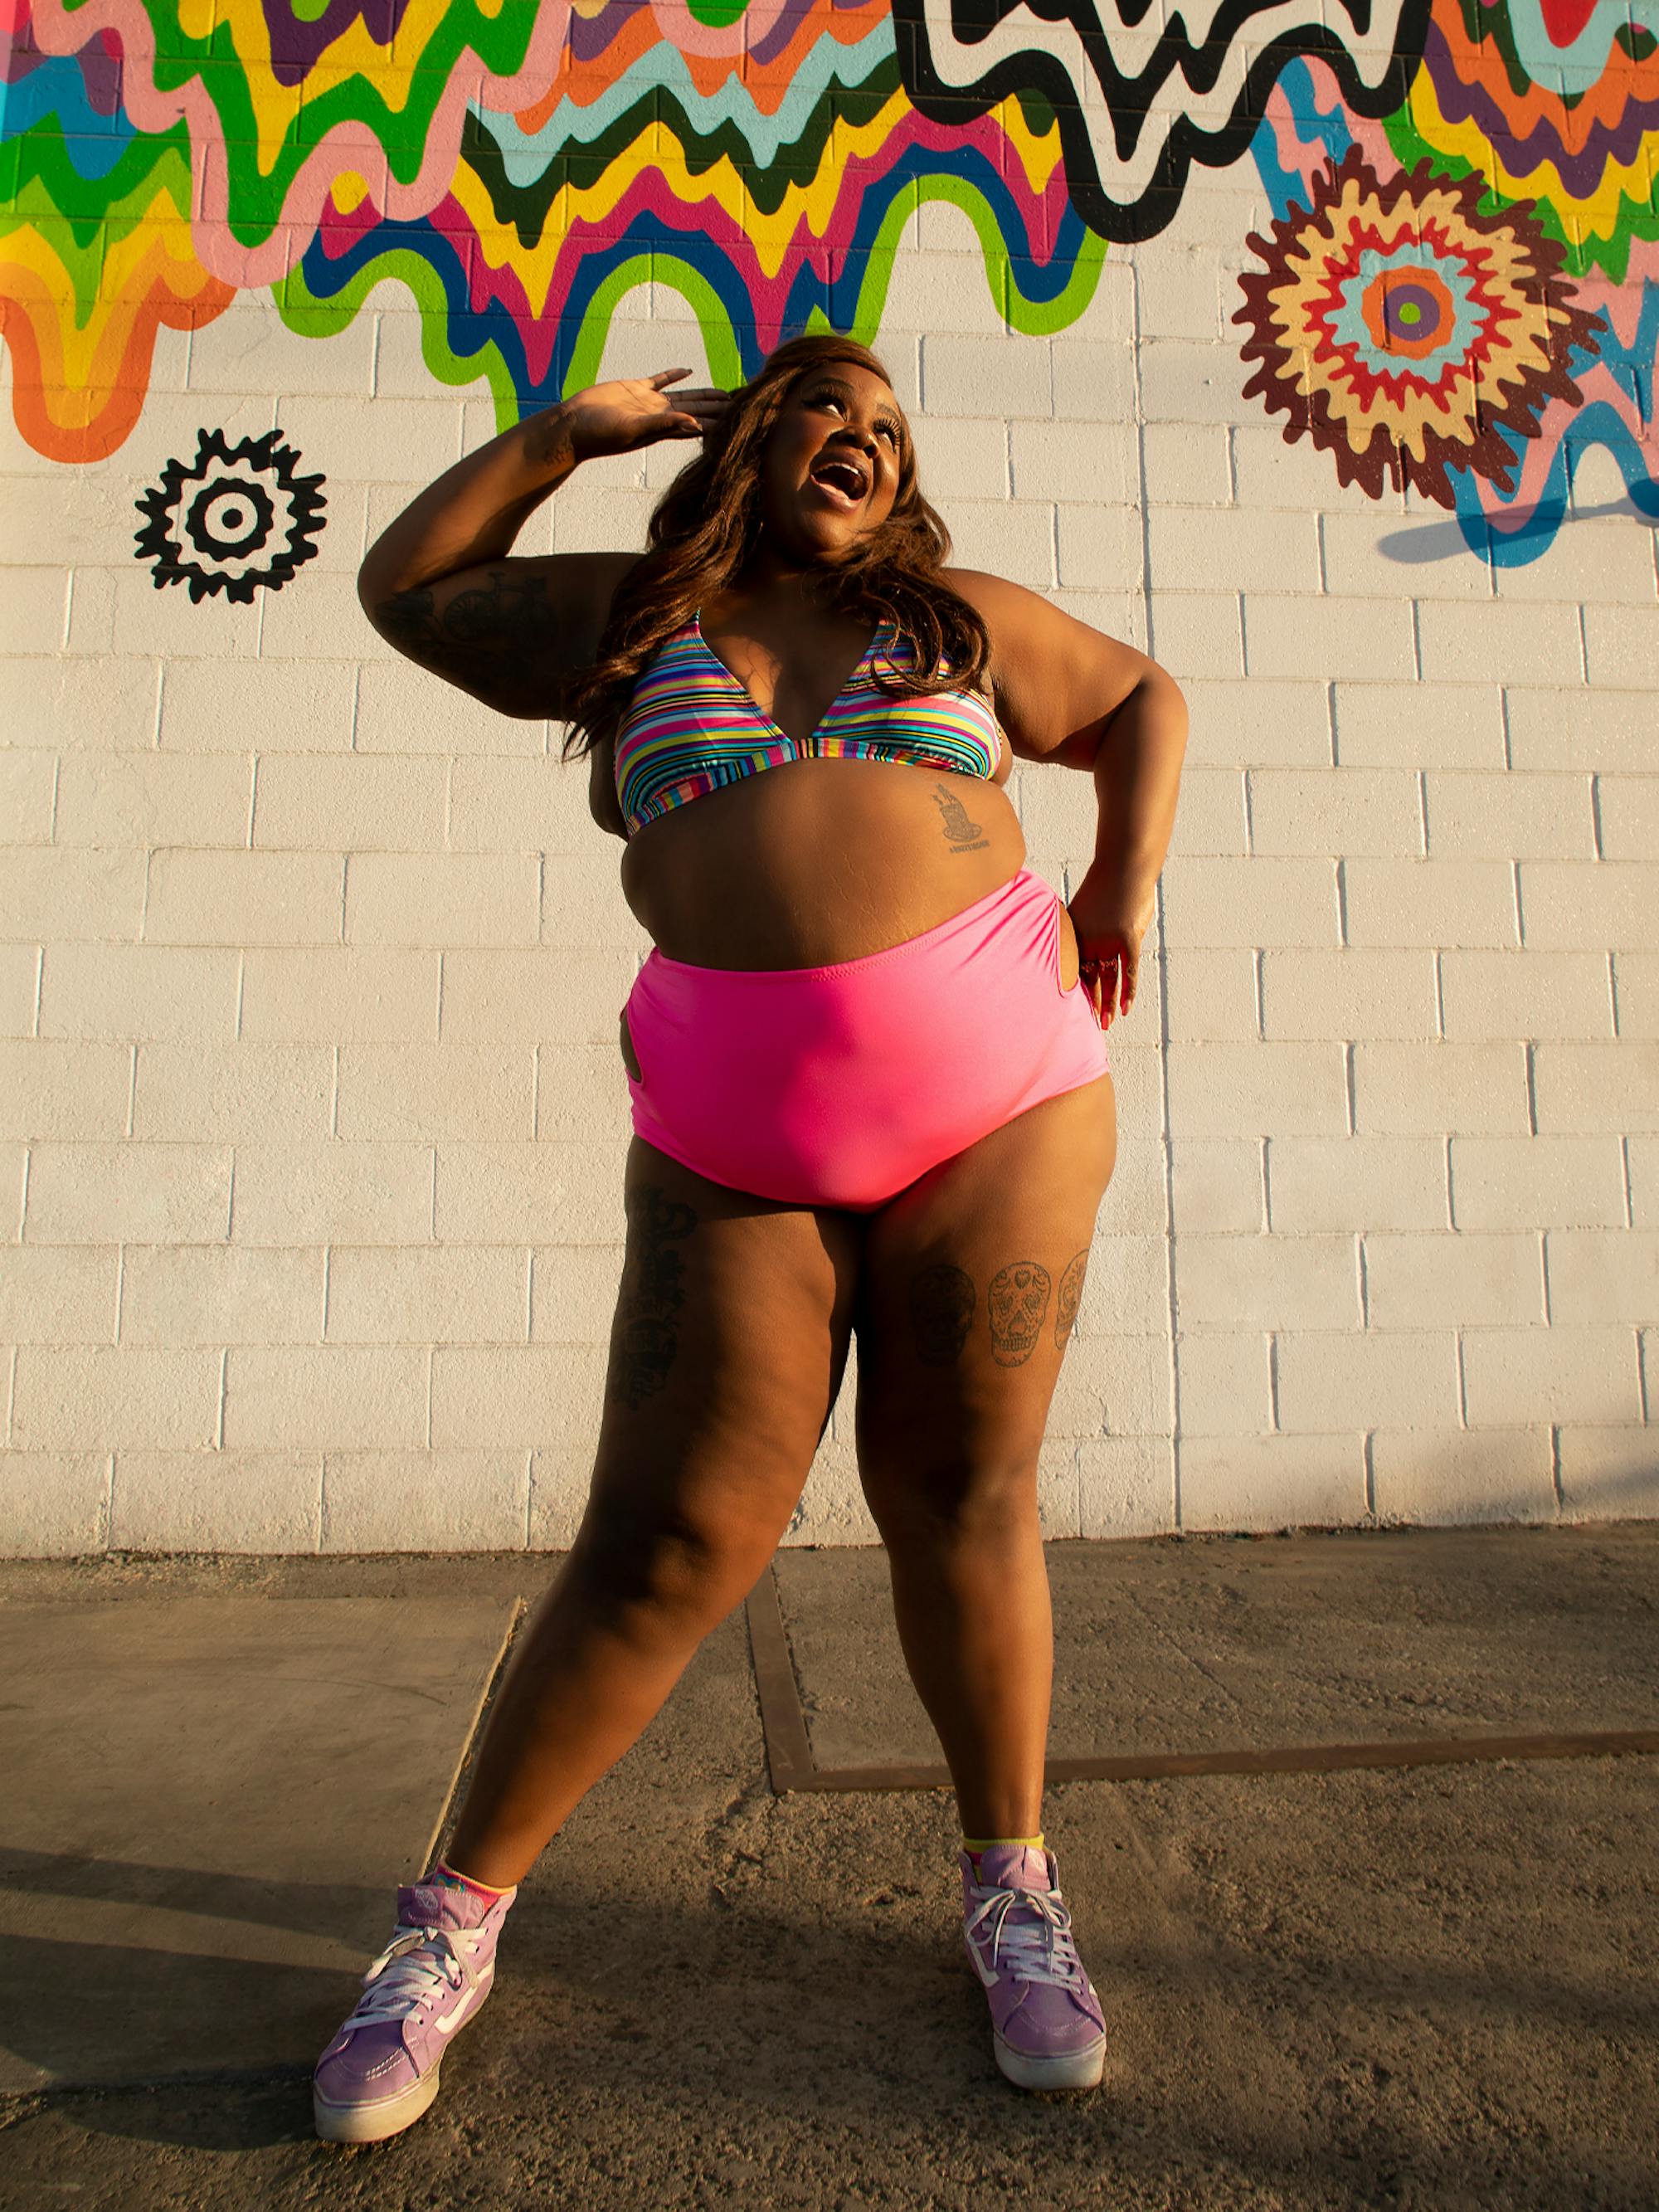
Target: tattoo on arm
{"type": "Point", "coordinates": [494, 636]}
{"type": "Point", "coordinates": [961, 831]}
{"type": "Point", "coordinates": [942, 1302]}
{"type": "Point", "coordinates": [1018, 1298]}
{"type": "Point", "coordinates": [1071, 1296]}
{"type": "Point", "coordinates": [646, 1338]}
{"type": "Point", "coordinates": [547, 438]}
{"type": "Point", "coordinates": [406, 621]}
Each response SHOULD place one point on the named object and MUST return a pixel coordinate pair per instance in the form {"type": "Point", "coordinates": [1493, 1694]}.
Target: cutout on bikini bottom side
{"type": "Point", "coordinates": [1067, 953]}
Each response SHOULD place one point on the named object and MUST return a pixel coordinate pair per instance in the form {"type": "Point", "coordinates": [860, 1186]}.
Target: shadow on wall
{"type": "Point", "coordinates": [1448, 541]}
{"type": "Point", "coordinates": [1625, 1490]}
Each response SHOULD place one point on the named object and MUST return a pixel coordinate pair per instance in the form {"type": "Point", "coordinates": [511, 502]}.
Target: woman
{"type": "Point", "coordinates": [869, 1090]}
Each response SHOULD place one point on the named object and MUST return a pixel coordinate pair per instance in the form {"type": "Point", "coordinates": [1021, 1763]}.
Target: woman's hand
{"type": "Point", "coordinates": [1111, 916]}
{"type": "Point", "coordinates": [622, 417]}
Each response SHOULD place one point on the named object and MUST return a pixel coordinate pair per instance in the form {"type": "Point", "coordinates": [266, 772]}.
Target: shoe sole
{"type": "Point", "coordinates": [1065, 2070]}
{"type": "Point", "coordinates": [366, 2124]}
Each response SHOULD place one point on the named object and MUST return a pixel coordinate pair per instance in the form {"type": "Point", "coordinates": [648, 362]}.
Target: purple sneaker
{"type": "Point", "coordinates": [1050, 2031]}
{"type": "Point", "coordinates": [380, 2072]}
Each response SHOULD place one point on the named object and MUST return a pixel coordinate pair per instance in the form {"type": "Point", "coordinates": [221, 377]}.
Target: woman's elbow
{"type": "Point", "coordinates": [1167, 702]}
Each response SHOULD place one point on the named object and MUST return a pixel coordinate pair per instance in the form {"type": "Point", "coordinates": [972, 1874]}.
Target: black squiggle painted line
{"type": "Point", "coordinates": [1158, 102]}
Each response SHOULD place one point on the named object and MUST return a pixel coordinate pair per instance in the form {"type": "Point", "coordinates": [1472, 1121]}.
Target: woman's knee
{"type": "Point", "coordinates": [960, 1507]}
{"type": "Point", "coordinates": [683, 1565]}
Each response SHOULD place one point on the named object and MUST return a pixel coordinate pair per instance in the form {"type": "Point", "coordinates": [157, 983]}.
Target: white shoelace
{"type": "Point", "coordinates": [415, 1965]}
{"type": "Point", "coordinates": [1033, 1951]}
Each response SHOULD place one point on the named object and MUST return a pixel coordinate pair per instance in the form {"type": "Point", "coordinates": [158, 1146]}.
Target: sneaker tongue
{"type": "Point", "coordinates": [440, 1904]}
{"type": "Point", "coordinates": [1013, 1866]}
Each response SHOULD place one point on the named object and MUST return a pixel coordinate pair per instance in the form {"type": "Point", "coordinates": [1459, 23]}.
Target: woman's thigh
{"type": "Point", "coordinates": [970, 1283]}
{"type": "Point", "coordinates": [727, 1349]}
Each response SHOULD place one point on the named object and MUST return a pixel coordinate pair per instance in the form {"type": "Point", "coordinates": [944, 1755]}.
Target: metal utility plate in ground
{"type": "Point", "coordinates": [206, 1801]}
{"type": "Point", "coordinates": [1250, 1655]}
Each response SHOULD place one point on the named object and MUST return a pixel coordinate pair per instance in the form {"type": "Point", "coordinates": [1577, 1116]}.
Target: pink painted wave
{"type": "Point", "coordinates": [347, 148]}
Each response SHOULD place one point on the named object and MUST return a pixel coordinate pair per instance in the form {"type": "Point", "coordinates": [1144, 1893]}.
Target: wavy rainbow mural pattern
{"type": "Point", "coordinates": [518, 165]}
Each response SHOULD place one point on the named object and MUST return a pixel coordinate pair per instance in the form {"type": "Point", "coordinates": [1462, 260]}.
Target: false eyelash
{"type": "Point", "coordinates": [889, 422]}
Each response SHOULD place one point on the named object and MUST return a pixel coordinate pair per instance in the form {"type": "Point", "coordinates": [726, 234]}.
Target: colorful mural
{"type": "Point", "coordinates": [519, 167]}
{"type": "Point", "coordinates": [1540, 331]}
{"type": "Point", "coordinates": [1407, 333]}
{"type": "Point", "coordinates": [1141, 93]}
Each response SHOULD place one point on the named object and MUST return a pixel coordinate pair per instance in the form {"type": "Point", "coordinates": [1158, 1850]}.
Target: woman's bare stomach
{"type": "Point", "coordinates": [820, 861]}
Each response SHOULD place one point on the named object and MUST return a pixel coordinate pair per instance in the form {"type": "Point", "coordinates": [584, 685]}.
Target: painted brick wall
{"type": "Point", "coordinates": [312, 1116]}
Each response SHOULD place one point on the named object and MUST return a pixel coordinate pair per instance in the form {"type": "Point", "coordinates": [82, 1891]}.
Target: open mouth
{"type": "Point", "coordinates": [845, 479]}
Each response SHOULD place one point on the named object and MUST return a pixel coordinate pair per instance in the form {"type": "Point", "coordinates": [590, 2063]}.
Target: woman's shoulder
{"type": "Point", "coordinates": [1006, 609]}
{"type": "Point", "coordinates": [1021, 622]}
{"type": "Point", "coordinates": [1025, 623]}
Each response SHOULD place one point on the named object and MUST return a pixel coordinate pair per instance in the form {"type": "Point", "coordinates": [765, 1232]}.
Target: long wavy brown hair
{"type": "Point", "coordinates": [705, 527]}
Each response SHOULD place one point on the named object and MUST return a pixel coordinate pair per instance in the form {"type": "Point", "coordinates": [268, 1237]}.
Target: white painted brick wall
{"type": "Point", "coordinates": [218, 1501]}
{"type": "Point", "coordinates": [1526, 994]}
{"type": "Point", "coordinates": [1628, 810]}
{"type": "Point", "coordinates": [1610, 903]}
{"type": "Point", "coordinates": [1537, 1182]}
{"type": "Point", "coordinates": [1323, 1183]}
{"type": "Point", "coordinates": [1463, 1476]}
{"type": "Point", "coordinates": [1373, 810]}
{"type": "Point", "coordinates": [1453, 1280]}
{"type": "Point", "coordinates": [1369, 993]}
{"type": "Point", "coordinates": [1514, 816]}
{"type": "Point", "coordinates": [1557, 1374]}
{"type": "Point", "coordinates": [1589, 728]}
{"type": "Point", "coordinates": [1366, 1379]}
{"type": "Point", "coordinates": [1420, 726]}
{"type": "Point", "coordinates": [312, 1116]}
{"type": "Point", "coordinates": [1611, 1087]}
{"type": "Point", "coordinates": [1256, 725]}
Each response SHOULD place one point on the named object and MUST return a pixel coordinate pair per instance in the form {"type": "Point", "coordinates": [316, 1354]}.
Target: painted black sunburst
{"type": "Point", "coordinates": [235, 519]}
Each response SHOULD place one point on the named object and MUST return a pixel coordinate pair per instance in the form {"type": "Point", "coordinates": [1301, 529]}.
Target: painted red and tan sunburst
{"type": "Point", "coordinates": [1407, 333]}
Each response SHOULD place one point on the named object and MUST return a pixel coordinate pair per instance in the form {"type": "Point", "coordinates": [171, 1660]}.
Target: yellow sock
{"type": "Point", "coordinates": [974, 1844]}
{"type": "Point", "coordinates": [444, 1872]}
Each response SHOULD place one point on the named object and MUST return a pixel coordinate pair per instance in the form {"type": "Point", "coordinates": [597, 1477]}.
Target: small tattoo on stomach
{"type": "Point", "coordinates": [962, 830]}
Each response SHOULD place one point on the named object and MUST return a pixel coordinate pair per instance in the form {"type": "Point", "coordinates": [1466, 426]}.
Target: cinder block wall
{"type": "Point", "coordinates": [313, 1113]}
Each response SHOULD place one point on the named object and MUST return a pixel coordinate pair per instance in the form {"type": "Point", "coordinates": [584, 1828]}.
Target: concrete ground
{"type": "Point", "coordinates": [1424, 1987]}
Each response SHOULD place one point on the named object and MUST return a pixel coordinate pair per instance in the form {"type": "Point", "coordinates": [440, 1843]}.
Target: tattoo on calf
{"type": "Point", "coordinates": [1018, 1300]}
{"type": "Point", "coordinates": [942, 1302]}
{"type": "Point", "coordinates": [961, 830]}
{"type": "Point", "coordinates": [652, 1292]}
{"type": "Point", "coordinates": [1071, 1296]}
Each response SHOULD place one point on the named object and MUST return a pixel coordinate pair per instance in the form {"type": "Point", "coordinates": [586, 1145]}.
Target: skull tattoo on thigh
{"type": "Point", "coordinates": [1018, 1299]}
{"type": "Point", "coordinates": [1071, 1296]}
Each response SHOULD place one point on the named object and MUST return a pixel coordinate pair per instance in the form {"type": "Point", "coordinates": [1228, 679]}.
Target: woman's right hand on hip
{"type": "Point", "coordinates": [622, 417]}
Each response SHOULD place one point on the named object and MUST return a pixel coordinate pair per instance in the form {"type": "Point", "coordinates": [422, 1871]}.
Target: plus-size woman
{"type": "Point", "coordinates": [869, 1089]}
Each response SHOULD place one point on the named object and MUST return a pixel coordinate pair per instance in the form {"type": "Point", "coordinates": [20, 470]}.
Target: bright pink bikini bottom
{"type": "Point", "coordinates": [839, 1085]}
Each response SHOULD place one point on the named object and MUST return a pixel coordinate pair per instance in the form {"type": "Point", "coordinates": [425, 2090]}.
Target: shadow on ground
{"type": "Point", "coordinates": [1421, 1988]}
{"type": "Point", "coordinates": [1356, 1992]}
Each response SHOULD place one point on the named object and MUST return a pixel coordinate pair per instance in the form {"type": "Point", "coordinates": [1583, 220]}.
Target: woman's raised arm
{"type": "Point", "coordinates": [438, 583]}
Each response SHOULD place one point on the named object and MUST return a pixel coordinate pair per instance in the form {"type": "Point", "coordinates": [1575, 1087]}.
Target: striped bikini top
{"type": "Point", "coordinates": [691, 727]}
